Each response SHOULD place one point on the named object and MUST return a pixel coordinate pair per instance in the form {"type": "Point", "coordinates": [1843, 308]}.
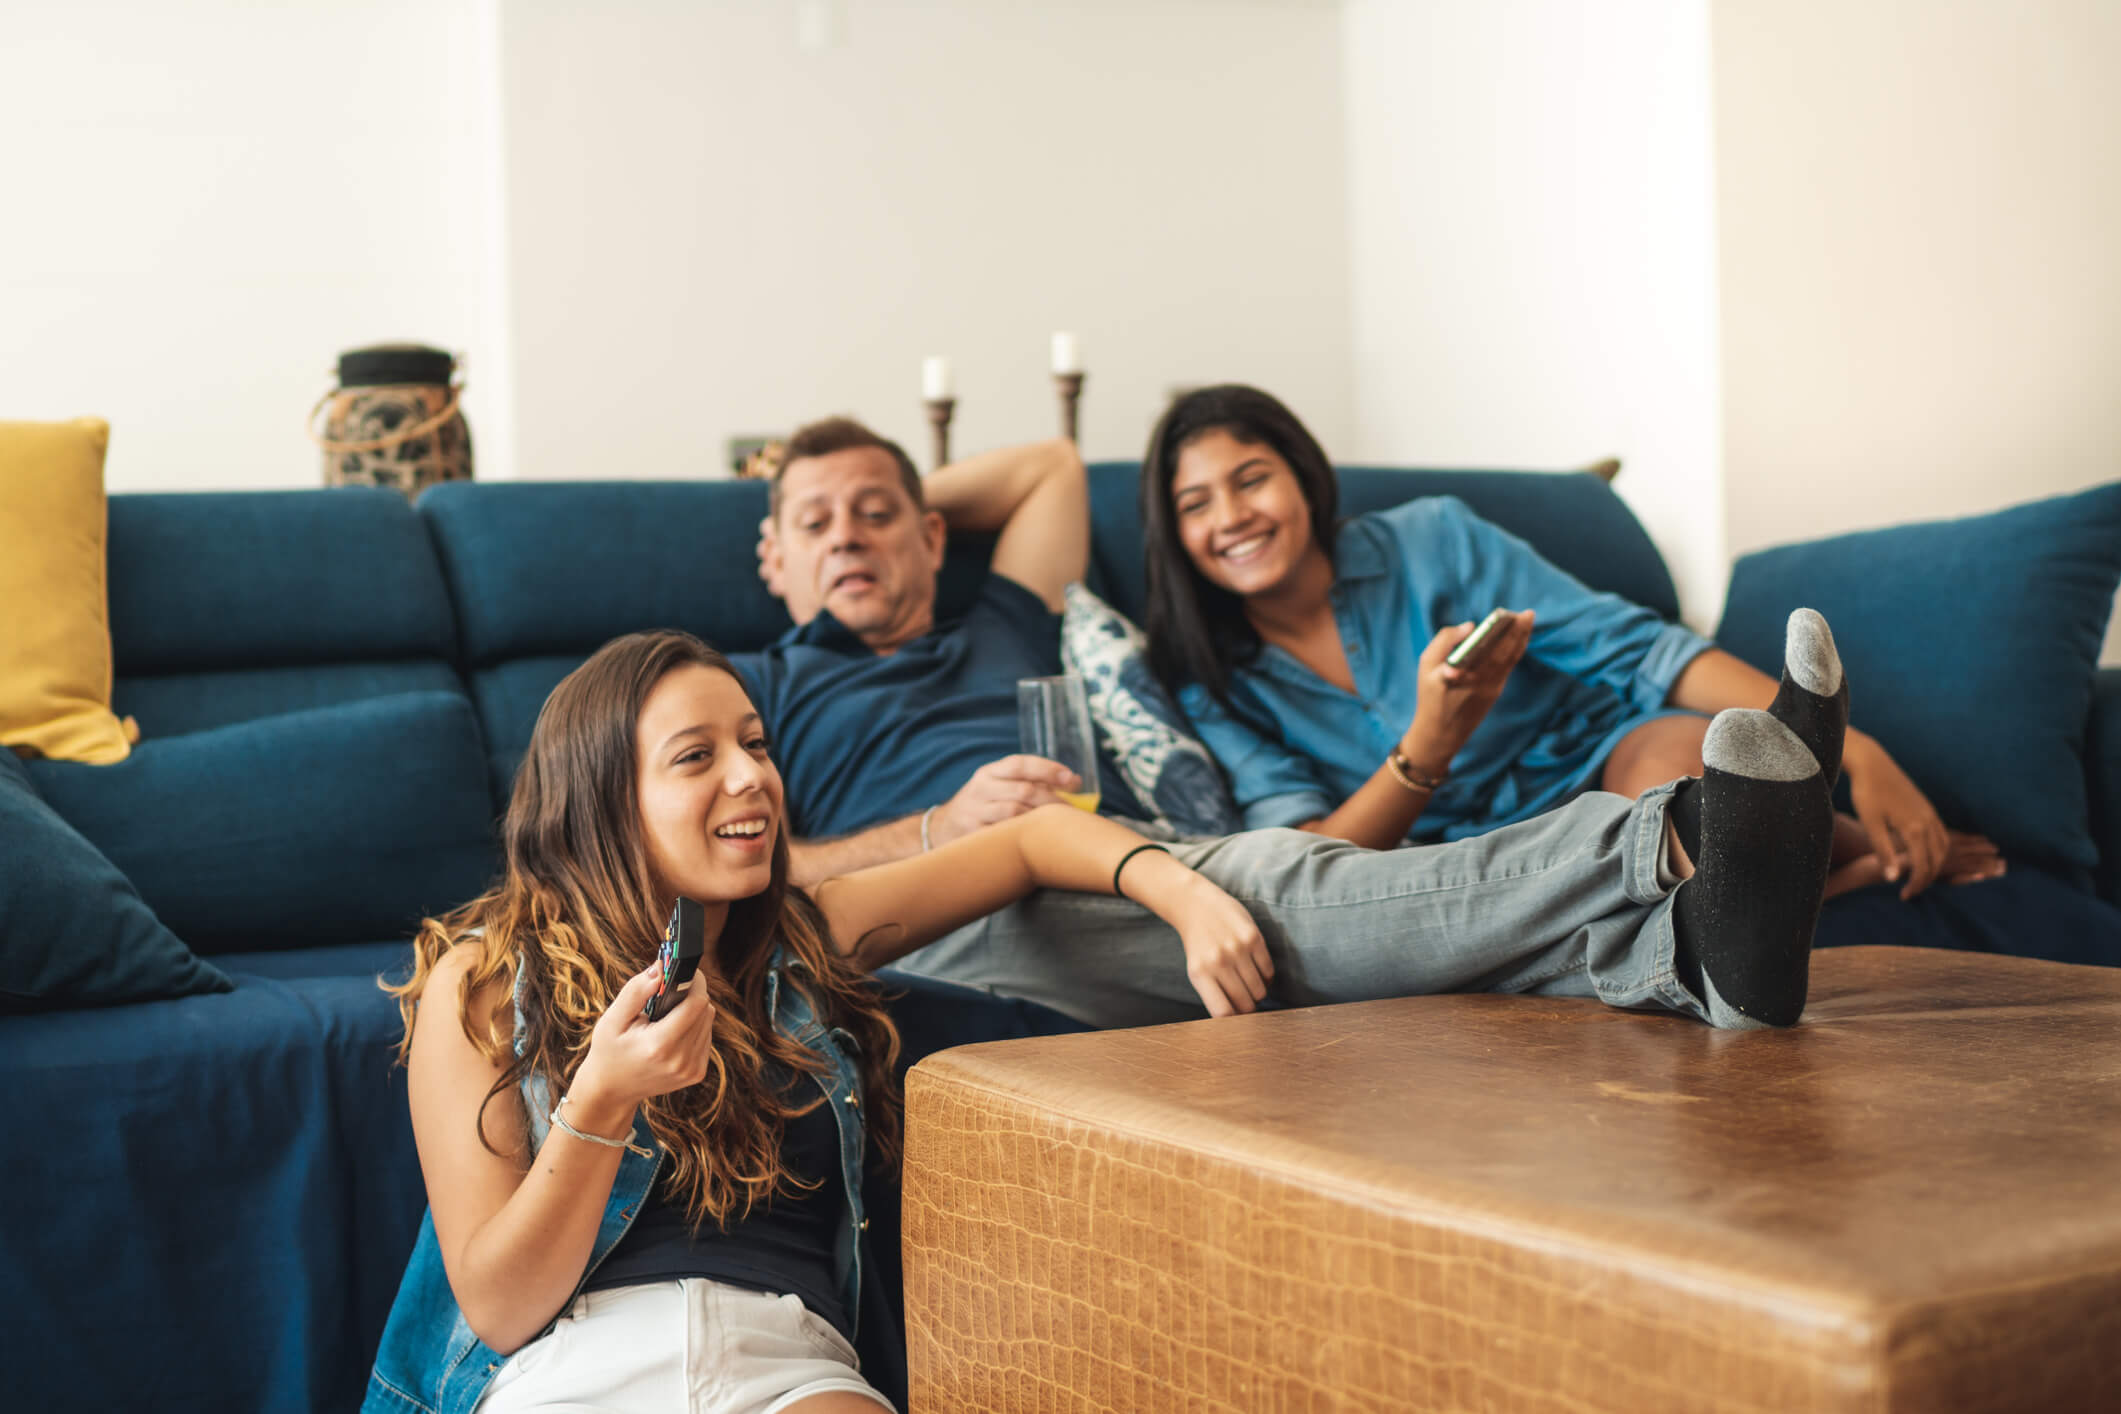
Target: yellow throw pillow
{"type": "Point", "coordinates": [55, 660]}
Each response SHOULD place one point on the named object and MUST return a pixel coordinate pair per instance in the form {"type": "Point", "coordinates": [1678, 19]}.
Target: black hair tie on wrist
{"type": "Point", "coordinates": [1123, 864]}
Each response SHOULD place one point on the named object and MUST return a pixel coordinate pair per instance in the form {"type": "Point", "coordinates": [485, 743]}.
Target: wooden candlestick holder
{"type": "Point", "coordinates": [939, 412]}
{"type": "Point", "coordinates": [1070, 388]}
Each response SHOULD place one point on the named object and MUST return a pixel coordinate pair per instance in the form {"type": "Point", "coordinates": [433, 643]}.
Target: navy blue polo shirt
{"type": "Point", "coordinates": [862, 737]}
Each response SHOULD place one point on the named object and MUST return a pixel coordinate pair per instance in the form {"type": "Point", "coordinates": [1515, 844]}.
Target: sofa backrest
{"type": "Point", "coordinates": [1572, 518]}
{"type": "Point", "coordinates": [230, 606]}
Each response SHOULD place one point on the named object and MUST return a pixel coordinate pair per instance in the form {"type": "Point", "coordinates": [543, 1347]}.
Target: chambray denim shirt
{"type": "Point", "coordinates": [430, 1361]}
{"type": "Point", "coordinates": [1597, 667]}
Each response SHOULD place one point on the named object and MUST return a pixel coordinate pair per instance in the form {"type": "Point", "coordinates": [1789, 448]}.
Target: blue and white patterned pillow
{"type": "Point", "coordinates": [1143, 730]}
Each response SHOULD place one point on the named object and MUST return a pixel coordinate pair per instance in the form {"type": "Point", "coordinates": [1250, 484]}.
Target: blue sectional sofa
{"type": "Point", "coordinates": [209, 1199]}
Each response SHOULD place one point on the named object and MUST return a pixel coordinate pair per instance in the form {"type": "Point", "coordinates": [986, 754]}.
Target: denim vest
{"type": "Point", "coordinates": [430, 1361]}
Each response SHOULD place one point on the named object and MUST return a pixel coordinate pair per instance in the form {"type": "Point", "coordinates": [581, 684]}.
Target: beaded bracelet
{"type": "Point", "coordinates": [1404, 774]}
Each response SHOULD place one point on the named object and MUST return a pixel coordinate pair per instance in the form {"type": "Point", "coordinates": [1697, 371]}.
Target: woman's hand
{"type": "Point", "coordinates": [632, 1059]}
{"type": "Point", "coordinates": [1968, 859]}
{"type": "Point", "coordinates": [1226, 957]}
{"type": "Point", "coordinates": [1450, 702]}
{"type": "Point", "coordinates": [1905, 831]}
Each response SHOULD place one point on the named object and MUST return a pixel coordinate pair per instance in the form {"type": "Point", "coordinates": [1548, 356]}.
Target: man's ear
{"type": "Point", "coordinates": [935, 533]}
{"type": "Point", "coordinates": [769, 553]}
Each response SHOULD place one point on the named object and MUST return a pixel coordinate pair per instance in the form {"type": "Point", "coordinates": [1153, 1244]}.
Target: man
{"type": "Point", "coordinates": [896, 735]}
{"type": "Point", "coordinates": [870, 709]}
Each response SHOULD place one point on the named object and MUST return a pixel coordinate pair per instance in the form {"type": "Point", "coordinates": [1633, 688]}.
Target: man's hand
{"type": "Point", "coordinates": [769, 553]}
{"type": "Point", "coordinates": [1000, 790]}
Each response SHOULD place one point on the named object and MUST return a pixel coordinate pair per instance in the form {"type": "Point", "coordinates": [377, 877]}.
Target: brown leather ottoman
{"type": "Point", "coordinates": [1912, 1201]}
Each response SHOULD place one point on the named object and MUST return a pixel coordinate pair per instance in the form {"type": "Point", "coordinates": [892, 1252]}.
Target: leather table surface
{"type": "Point", "coordinates": [1910, 1201]}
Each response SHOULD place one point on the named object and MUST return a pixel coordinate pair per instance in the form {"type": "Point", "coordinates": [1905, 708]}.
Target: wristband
{"type": "Point", "coordinates": [1123, 864]}
{"type": "Point", "coordinates": [926, 816]}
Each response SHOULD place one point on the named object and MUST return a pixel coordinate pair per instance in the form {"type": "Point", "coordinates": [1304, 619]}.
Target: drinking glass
{"type": "Point", "coordinates": [1053, 721]}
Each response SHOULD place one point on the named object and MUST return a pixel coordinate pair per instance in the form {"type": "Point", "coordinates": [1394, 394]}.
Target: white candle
{"type": "Point", "coordinates": [1067, 353]}
{"type": "Point", "coordinates": [935, 378]}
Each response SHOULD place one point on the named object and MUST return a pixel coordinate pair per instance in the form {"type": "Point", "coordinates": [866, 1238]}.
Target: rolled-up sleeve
{"type": "Point", "coordinates": [1592, 636]}
{"type": "Point", "coordinates": [1271, 784]}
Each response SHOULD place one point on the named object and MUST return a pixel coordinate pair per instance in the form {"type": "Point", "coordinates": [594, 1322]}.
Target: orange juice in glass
{"type": "Point", "coordinates": [1053, 721]}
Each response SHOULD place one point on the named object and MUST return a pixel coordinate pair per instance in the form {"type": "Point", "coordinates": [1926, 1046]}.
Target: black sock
{"type": "Point", "coordinates": [1685, 814]}
{"type": "Point", "coordinates": [1813, 700]}
{"type": "Point", "coordinates": [1744, 921]}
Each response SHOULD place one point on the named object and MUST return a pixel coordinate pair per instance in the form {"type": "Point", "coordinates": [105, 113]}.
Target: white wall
{"type": "Point", "coordinates": [1921, 284]}
{"type": "Point", "coordinates": [1533, 262]}
{"type": "Point", "coordinates": [1447, 232]}
{"type": "Point", "coordinates": [208, 200]}
{"type": "Point", "coordinates": [717, 231]}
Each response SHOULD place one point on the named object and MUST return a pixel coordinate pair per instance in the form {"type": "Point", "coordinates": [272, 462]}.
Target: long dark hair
{"type": "Point", "coordinates": [1198, 631]}
{"type": "Point", "coordinates": [575, 915]}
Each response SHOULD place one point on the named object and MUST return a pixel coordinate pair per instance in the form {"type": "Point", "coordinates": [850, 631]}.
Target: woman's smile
{"type": "Point", "coordinates": [749, 836]}
{"type": "Point", "coordinates": [1245, 551]}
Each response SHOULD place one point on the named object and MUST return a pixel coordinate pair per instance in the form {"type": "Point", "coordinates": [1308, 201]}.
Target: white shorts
{"type": "Point", "coordinates": [675, 1347]}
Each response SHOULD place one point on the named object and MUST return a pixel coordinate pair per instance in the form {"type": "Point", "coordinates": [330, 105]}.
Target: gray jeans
{"type": "Point", "coordinates": [1569, 904]}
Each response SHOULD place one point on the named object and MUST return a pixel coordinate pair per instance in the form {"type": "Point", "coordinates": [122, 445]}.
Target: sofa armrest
{"type": "Point", "coordinates": [2102, 772]}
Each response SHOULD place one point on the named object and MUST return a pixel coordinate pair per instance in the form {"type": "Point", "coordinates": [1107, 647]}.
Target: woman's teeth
{"type": "Point", "coordinates": [1246, 549]}
{"type": "Point", "coordinates": [743, 830]}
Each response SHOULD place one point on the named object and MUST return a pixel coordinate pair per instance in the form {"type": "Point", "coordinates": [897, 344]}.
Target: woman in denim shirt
{"type": "Point", "coordinates": [633, 1214]}
{"type": "Point", "coordinates": [1309, 655]}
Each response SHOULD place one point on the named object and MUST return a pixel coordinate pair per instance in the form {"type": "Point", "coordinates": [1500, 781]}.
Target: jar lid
{"type": "Point", "coordinates": [394, 363]}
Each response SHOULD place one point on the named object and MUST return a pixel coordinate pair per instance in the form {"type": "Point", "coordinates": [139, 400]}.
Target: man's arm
{"type": "Point", "coordinates": [999, 790]}
{"type": "Point", "coordinates": [1037, 496]}
{"type": "Point", "coordinates": [812, 862]}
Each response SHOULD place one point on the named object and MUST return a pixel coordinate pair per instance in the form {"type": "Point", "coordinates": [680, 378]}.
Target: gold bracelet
{"type": "Point", "coordinates": [1404, 774]}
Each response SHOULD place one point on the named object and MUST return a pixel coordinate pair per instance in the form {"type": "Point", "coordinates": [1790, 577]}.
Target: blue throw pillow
{"type": "Point", "coordinates": [1142, 730]}
{"type": "Point", "coordinates": [73, 932]}
{"type": "Point", "coordinates": [1971, 647]}
{"type": "Point", "coordinates": [343, 824]}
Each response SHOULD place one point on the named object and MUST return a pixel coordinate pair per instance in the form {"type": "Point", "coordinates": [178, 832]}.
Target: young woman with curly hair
{"type": "Point", "coordinates": [635, 1214]}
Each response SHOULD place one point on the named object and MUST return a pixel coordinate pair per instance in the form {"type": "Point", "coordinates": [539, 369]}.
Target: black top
{"type": "Point", "coordinates": [784, 1245]}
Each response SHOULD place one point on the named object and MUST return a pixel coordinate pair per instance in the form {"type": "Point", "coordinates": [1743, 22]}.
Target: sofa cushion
{"type": "Point", "coordinates": [1971, 647]}
{"type": "Point", "coordinates": [55, 669]}
{"type": "Point", "coordinates": [2102, 753]}
{"type": "Point", "coordinates": [342, 824]}
{"type": "Point", "coordinates": [1140, 729]}
{"type": "Point", "coordinates": [2029, 912]}
{"type": "Point", "coordinates": [509, 697]}
{"type": "Point", "coordinates": [246, 579]}
{"type": "Point", "coordinates": [173, 704]}
{"type": "Point", "coordinates": [1572, 518]}
{"type": "Point", "coordinates": [73, 931]}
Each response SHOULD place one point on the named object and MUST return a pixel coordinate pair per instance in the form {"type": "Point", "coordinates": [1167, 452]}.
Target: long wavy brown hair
{"type": "Point", "coordinates": [576, 914]}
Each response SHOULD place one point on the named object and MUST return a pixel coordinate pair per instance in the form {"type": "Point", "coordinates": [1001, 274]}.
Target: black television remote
{"type": "Point", "coordinates": [684, 939]}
